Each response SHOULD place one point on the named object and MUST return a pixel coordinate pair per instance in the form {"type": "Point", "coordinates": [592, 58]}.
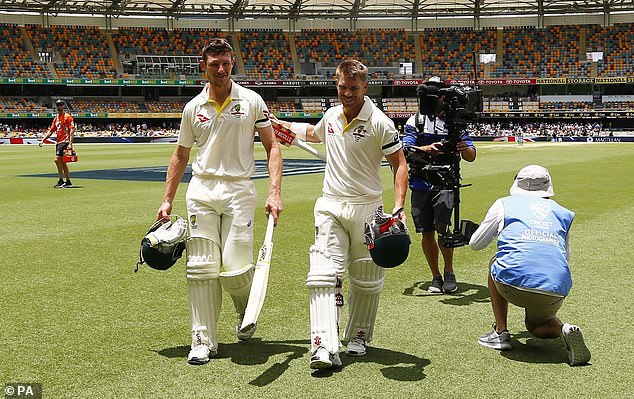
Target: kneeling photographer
{"type": "Point", "coordinates": [435, 140]}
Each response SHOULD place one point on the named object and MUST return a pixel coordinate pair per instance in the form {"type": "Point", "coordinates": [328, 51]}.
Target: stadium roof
{"type": "Point", "coordinates": [328, 9]}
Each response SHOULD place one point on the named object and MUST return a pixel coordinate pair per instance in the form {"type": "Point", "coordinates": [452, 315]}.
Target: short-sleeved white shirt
{"type": "Point", "coordinates": [355, 152]}
{"type": "Point", "coordinates": [224, 139]}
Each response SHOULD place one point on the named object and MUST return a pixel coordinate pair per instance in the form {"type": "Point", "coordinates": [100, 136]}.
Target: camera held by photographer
{"type": "Point", "coordinates": [435, 140]}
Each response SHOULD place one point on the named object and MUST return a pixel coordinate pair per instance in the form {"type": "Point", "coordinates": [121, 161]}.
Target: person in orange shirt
{"type": "Point", "coordinates": [64, 128]}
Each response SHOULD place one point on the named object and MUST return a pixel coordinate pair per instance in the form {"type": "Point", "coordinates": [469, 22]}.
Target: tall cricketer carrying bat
{"type": "Point", "coordinates": [260, 279]}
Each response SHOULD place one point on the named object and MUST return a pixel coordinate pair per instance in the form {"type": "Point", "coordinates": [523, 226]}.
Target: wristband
{"type": "Point", "coordinates": [300, 130]}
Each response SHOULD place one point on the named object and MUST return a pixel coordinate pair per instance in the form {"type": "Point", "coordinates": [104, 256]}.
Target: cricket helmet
{"type": "Point", "coordinates": [387, 239]}
{"type": "Point", "coordinates": [163, 244]}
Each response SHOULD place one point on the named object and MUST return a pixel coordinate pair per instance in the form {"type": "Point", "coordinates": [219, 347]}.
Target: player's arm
{"type": "Point", "coordinates": [175, 172]}
{"type": "Point", "coordinates": [304, 131]}
{"type": "Point", "coordinates": [399, 168]}
{"type": "Point", "coordinates": [274, 156]}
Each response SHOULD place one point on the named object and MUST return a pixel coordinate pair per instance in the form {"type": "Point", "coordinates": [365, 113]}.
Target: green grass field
{"type": "Point", "coordinates": [78, 320]}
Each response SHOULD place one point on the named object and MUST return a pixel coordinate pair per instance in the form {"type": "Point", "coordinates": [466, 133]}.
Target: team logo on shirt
{"type": "Point", "coordinates": [202, 118]}
{"type": "Point", "coordinates": [192, 221]}
{"type": "Point", "coordinates": [540, 209]}
{"type": "Point", "coordinates": [359, 133]}
{"type": "Point", "coordinates": [330, 130]}
{"type": "Point", "coordinates": [237, 112]}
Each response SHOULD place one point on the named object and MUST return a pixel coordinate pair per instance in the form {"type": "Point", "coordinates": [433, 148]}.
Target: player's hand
{"type": "Point", "coordinates": [273, 206]}
{"type": "Point", "coordinates": [164, 211]}
{"type": "Point", "coordinates": [399, 213]}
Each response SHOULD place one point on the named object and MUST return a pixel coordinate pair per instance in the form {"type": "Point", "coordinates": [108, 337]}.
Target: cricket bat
{"type": "Point", "coordinates": [286, 137]}
{"type": "Point", "coordinates": [260, 279]}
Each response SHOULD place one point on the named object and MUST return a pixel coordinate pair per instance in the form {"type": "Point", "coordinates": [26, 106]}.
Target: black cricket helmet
{"type": "Point", "coordinates": [163, 244]}
{"type": "Point", "coordinates": [387, 238]}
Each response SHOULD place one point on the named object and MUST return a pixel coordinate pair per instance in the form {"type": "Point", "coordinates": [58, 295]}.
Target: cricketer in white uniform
{"type": "Point", "coordinates": [357, 136]}
{"type": "Point", "coordinates": [221, 198]}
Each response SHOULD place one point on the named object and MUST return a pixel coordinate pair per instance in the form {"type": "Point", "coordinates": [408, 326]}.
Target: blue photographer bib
{"type": "Point", "coordinates": [532, 245]}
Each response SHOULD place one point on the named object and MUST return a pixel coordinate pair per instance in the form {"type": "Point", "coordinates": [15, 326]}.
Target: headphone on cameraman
{"type": "Point", "coordinates": [430, 96]}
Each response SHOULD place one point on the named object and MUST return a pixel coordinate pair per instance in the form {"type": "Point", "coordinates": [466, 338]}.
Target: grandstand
{"type": "Point", "coordinates": [537, 65]}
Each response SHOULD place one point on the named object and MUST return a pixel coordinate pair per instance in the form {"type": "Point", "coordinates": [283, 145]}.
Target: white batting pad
{"type": "Point", "coordinates": [205, 293]}
{"type": "Point", "coordinates": [366, 282]}
{"type": "Point", "coordinates": [203, 259]}
{"type": "Point", "coordinates": [205, 300]}
{"type": "Point", "coordinates": [238, 284]}
{"type": "Point", "coordinates": [321, 283]}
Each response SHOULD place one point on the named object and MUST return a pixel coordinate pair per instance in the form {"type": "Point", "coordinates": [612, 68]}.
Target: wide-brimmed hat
{"type": "Point", "coordinates": [533, 180]}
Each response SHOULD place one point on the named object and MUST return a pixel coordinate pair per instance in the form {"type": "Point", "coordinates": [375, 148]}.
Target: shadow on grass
{"type": "Point", "coordinates": [399, 366]}
{"type": "Point", "coordinates": [536, 350]}
{"type": "Point", "coordinates": [465, 295]}
{"type": "Point", "coordinates": [252, 352]}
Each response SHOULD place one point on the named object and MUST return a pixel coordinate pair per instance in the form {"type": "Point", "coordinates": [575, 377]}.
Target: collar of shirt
{"type": "Point", "coordinates": [364, 113]}
{"type": "Point", "coordinates": [203, 97]}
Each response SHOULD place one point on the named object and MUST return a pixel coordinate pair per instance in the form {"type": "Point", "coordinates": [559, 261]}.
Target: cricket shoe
{"type": "Point", "coordinates": [248, 333]}
{"type": "Point", "coordinates": [322, 359]}
{"type": "Point", "coordinates": [60, 184]}
{"type": "Point", "coordinates": [356, 347]}
{"type": "Point", "coordinates": [496, 340]}
{"type": "Point", "coordinates": [578, 352]}
{"type": "Point", "coordinates": [200, 354]}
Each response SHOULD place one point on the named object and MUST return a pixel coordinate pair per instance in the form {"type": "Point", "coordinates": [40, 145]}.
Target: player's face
{"type": "Point", "coordinates": [351, 91]}
{"type": "Point", "coordinates": [218, 68]}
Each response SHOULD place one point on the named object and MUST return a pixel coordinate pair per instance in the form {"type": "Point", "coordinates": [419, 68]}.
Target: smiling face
{"type": "Point", "coordinates": [351, 91]}
{"type": "Point", "coordinates": [218, 68]}
{"type": "Point", "coordinates": [217, 61]}
{"type": "Point", "coordinates": [352, 84]}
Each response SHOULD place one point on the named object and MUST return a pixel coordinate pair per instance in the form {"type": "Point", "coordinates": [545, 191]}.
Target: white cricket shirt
{"type": "Point", "coordinates": [355, 152]}
{"type": "Point", "coordinates": [223, 133]}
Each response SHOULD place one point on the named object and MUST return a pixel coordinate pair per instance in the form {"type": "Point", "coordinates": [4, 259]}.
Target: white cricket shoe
{"type": "Point", "coordinates": [248, 333]}
{"type": "Point", "coordinates": [322, 359]}
{"type": "Point", "coordinates": [578, 352]}
{"type": "Point", "coordinates": [200, 354]}
{"type": "Point", "coordinates": [356, 347]}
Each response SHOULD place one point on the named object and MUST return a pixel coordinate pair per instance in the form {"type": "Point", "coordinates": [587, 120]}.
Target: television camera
{"type": "Point", "coordinates": [458, 105]}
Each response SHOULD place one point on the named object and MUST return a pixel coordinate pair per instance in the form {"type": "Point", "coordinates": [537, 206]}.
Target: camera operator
{"type": "Point", "coordinates": [433, 204]}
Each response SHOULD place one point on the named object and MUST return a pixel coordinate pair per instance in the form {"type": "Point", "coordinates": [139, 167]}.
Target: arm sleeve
{"type": "Point", "coordinates": [261, 113]}
{"type": "Point", "coordinates": [489, 228]}
{"type": "Point", "coordinates": [390, 142]}
{"type": "Point", "coordinates": [410, 132]}
{"type": "Point", "coordinates": [319, 129]}
{"type": "Point", "coordinates": [186, 133]}
{"type": "Point", "coordinates": [53, 127]}
{"type": "Point", "coordinates": [465, 136]}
